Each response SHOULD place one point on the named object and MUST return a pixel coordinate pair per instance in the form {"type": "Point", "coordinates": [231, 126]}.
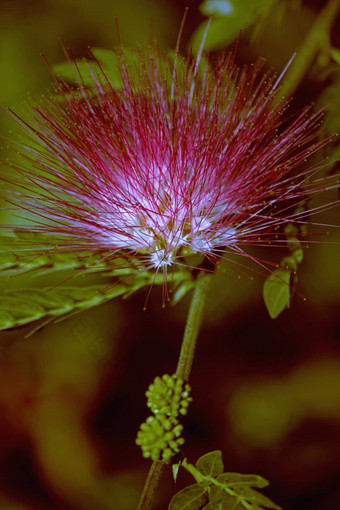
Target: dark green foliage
{"type": "Point", "coordinates": [276, 292]}
{"type": "Point", "coordinates": [110, 65]}
{"type": "Point", "coordinates": [277, 287]}
{"type": "Point", "coordinates": [330, 99]}
{"type": "Point", "coordinates": [22, 306]}
{"type": "Point", "coordinates": [215, 490]}
{"type": "Point", "coordinates": [229, 17]}
{"type": "Point", "coordinates": [87, 71]}
{"type": "Point", "coordinates": [211, 464]}
{"type": "Point", "coordinates": [181, 289]}
{"type": "Point", "coordinates": [235, 479]}
{"type": "Point", "coordinates": [26, 252]}
{"type": "Point", "coordinates": [192, 497]}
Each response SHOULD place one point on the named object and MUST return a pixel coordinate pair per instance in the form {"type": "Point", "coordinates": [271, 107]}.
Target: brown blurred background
{"type": "Point", "coordinates": [266, 392]}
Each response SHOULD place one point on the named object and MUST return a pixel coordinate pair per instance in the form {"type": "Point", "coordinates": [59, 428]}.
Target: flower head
{"type": "Point", "coordinates": [178, 160]}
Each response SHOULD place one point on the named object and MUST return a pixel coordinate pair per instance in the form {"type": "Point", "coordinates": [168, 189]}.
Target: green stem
{"type": "Point", "coordinates": [186, 356]}
{"type": "Point", "coordinates": [192, 327]}
{"type": "Point", "coordinates": [313, 43]}
{"type": "Point", "coordinates": [151, 484]}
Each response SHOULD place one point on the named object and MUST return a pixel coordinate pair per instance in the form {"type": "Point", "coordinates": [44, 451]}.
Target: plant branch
{"type": "Point", "coordinates": [186, 356]}
{"type": "Point", "coordinates": [313, 43]}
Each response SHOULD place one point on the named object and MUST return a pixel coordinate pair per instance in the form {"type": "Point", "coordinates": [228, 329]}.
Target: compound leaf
{"type": "Point", "coordinates": [28, 253]}
{"type": "Point", "coordinates": [225, 491]}
{"type": "Point", "coordinates": [20, 307]}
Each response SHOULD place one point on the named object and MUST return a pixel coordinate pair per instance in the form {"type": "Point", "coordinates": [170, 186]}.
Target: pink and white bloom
{"type": "Point", "coordinates": [176, 161]}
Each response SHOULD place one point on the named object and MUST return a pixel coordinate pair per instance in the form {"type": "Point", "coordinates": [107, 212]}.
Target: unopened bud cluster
{"type": "Point", "coordinates": [169, 395]}
{"type": "Point", "coordinates": [160, 435]}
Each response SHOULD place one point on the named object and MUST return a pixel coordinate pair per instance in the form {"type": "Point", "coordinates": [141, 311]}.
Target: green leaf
{"type": "Point", "coordinates": [219, 499]}
{"type": "Point", "coordinates": [20, 308]}
{"type": "Point", "coordinates": [222, 32]}
{"type": "Point", "coordinates": [230, 17]}
{"type": "Point", "coordinates": [182, 287]}
{"type": "Point", "coordinates": [214, 506]}
{"type": "Point", "coordinates": [6, 320]}
{"type": "Point", "coordinates": [191, 497]}
{"type": "Point", "coordinates": [335, 54]}
{"type": "Point", "coordinates": [7, 260]}
{"type": "Point", "coordinates": [289, 262]}
{"type": "Point", "coordinates": [240, 497]}
{"type": "Point", "coordinates": [276, 292]}
{"type": "Point", "coordinates": [14, 259]}
{"type": "Point", "coordinates": [239, 479]}
{"type": "Point", "coordinates": [293, 242]}
{"type": "Point", "coordinates": [211, 464]}
{"type": "Point", "coordinates": [71, 71]}
{"type": "Point", "coordinates": [257, 499]}
{"type": "Point", "coordinates": [53, 301]}
{"type": "Point", "coordinates": [298, 255]}
{"type": "Point", "coordinates": [175, 469]}
{"type": "Point", "coordinates": [330, 99]}
{"type": "Point", "coordinates": [24, 253]}
{"type": "Point", "coordinates": [227, 491]}
{"type": "Point", "coordinates": [110, 62]}
{"type": "Point", "coordinates": [106, 60]}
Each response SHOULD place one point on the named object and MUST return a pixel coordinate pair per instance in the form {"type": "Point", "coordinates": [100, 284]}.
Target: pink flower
{"type": "Point", "coordinates": [176, 161]}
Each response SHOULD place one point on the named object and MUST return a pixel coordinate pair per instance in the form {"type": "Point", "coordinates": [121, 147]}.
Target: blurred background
{"type": "Point", "coordinates": [266, 392]}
